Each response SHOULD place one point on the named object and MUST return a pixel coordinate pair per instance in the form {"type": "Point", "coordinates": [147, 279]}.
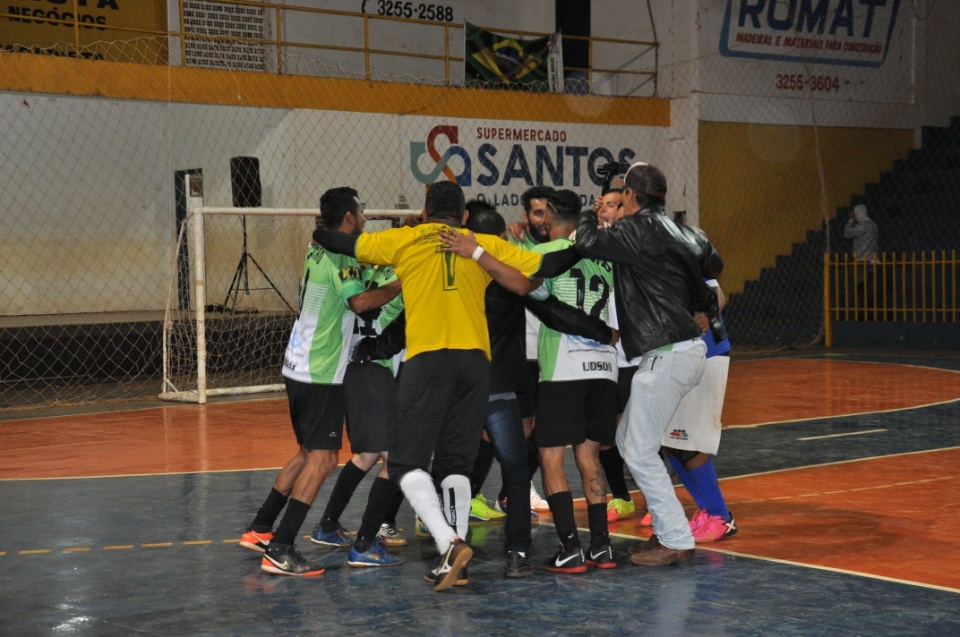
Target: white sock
{"type": "Point", "coordinates": [418, 488]}
{"type": "Point", "coordinates": [455, 491]}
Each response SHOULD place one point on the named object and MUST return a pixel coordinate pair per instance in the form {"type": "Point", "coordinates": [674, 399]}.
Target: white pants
{"type": "Point", "coordinates": [658, 385]}
{"type": "Point", "coordinates": [696, 425]}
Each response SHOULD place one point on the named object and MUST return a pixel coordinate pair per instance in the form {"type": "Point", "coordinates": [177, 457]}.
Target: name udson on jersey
{"type": "Point", "coordinates": [597, 366]}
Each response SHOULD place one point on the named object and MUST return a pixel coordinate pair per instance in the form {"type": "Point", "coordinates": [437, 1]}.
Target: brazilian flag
{"type": "Point", "coordinates": [495, 60]}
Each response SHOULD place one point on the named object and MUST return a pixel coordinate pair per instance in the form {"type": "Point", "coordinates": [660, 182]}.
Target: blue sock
{"type": "Point", "coordinates": [705, 479]}
{"type": "Point", "coordinates": [687, 481]}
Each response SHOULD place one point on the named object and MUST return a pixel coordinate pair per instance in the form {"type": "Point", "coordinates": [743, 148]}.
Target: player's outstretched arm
{"type": "Point", "coordinates": [339, 242]}
{"type": "Point", "coordinates": [374, 298]}
{"type": "Point", "coordinates": [466, 246]}
{"type": "Point", "coordinates": [561, 317]}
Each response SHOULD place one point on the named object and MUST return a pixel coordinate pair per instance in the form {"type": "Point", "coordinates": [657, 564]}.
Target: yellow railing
{"type": "Point", "coordinates": [279, 43]}
{"type": "Point", "coordinates": [906, 287]}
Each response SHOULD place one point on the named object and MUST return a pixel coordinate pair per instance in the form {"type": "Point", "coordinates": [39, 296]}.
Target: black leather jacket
{"type": "Point", "coordinates": [658, 274]}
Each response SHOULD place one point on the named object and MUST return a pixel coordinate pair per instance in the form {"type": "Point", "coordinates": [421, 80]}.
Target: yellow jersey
{"type": "Point", "coordinates": [443, 292]}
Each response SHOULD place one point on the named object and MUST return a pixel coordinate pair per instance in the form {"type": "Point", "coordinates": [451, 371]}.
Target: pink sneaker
{"type": "Point", "coordinates": [646, 520]}
{"type": "Point", "coordinates": [714, 528]}
{"type": "Point", "coordinates": [698, 519]}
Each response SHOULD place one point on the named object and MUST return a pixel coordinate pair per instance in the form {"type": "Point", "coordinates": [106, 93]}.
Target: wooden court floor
{"type": "Point", "coordinates": [841, 469]}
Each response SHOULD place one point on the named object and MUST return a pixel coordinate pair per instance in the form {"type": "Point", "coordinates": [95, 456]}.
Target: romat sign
{"type": "Point", "coordinates": [844, 32]}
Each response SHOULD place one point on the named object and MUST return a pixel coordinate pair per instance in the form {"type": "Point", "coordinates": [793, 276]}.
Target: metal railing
{"type": "Point", "coordinates": [914, 287]}
{"type": "Point", "coordinates": [279, 43]}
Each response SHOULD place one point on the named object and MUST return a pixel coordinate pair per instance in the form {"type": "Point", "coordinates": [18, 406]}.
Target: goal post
{"type": "Point", "coordinates": [227, 322]}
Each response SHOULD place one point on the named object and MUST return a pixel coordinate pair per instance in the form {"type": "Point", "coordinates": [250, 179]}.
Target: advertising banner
{"type": "Point", "coordinates": [861, 50]}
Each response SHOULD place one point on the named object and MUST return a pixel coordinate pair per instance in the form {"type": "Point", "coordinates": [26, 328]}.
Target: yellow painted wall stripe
{"type": "Point", "coordinates": [124, 80]}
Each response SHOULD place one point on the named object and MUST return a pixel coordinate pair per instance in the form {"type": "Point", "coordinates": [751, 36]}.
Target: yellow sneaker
{"type": "Point", "coordinates": [480, 509]}
{"type": "Point", "coordinates": [617, 509]}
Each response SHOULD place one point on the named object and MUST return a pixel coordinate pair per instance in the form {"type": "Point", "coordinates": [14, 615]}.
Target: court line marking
{"type": "Point", "coordinates": [842, 491]}
{"type": "Point", "coordinates": [832, 569]}
{"type": "Point", "coordinates": [849, 415]}
{"type": "Point", "coordinates": [851, 433]}
{"type": "Point", "coordinates": [858, 413]}
{"type": "Point", "coordinates": [839, 462]}
{"type": "Point", "coordinates": [818, 567]}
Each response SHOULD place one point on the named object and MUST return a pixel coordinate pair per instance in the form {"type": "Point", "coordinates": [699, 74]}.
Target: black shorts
{"type": "Point", "coordinates": [370, 396]}
{"type": "Point", "coordinates": [442, 405]}
{"type": "Point", "coordinates": [316, 412]}
{"type": "Point", "coordinates": [623, 387]}
{"type": "Point", "coordinates": [570, 412]}
{"type": "Point", "coordinates": [527, 392]}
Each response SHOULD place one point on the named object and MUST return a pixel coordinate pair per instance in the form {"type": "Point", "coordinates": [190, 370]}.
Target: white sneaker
{"type": "Point", "coordinates": [536, 502]}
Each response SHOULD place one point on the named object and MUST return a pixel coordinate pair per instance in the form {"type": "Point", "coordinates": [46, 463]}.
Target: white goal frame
{"type": "Point", "coordinates": [195, 220]}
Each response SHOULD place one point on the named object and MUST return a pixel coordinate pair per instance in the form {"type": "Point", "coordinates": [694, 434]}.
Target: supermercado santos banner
{"type": "Point", "coordinates": [837, 49]}
{"type": "Point", "coordinates": [497, 160]}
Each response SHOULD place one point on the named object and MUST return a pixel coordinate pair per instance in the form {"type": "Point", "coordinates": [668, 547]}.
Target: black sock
{"type": "Point", "coordinates": [391, 516]}
{"type": "Point", "coordinates": [292, 520]}
{"type": "Point", "coordinates": [597, 515]}
{"type": "Point", "coordinates": [378, 502]}
{"type": "Point", "coordinates": [350, 477]}
{"type": "Point", "coordinates": [269, 512]}
{"type": "Point", "coordinates": [561, 506]}
{"type": "Point", "coordinates": [481, 467]}
{"type": "Point", "coordinates": [612, 463]}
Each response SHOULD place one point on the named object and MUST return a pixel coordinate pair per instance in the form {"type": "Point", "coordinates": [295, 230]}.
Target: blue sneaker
{"type": "Point", "coordinates": [376, 555]}
{"type": "Point", "coordinates": [336, 538]}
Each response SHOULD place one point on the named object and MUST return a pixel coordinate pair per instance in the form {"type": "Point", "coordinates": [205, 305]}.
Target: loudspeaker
{"type": "Point", "coordinates": [245, 180]}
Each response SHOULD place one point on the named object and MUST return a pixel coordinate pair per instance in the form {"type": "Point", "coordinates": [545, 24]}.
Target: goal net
{"type": "Point", "coordinates": [233, 297]}
{"type": "Point", "coordinates": [767, 144]}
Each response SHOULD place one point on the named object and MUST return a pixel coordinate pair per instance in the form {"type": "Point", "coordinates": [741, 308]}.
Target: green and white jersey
{"type": "Point", "coordinates": [316, 352]}
{"type": "Point", "coordinates": [587, 286]}
{"type": "Point", "coordinates": [372, 277]}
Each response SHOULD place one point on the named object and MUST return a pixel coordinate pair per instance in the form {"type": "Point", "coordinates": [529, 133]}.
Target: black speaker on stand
{"type": "Point", "coordinates": [247, 193]}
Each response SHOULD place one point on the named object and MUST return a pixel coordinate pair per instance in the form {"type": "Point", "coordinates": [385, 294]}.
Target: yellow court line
{"type": "Point", "coordinates": [118, 547]}
{"type": "Point", "coordinates": [76, 549]}
{"type": "Point", "coordinates": [34, 551]}
{"type": "Point", "coordinates": [157, 545]}
{"type": "Point", "coordinates": [196, 542]}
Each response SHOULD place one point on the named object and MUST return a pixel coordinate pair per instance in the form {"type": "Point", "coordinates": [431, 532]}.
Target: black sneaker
{"type": "Point", "coordinates": [566, 561]}
{"type": "Point", "coordinates": [284, 559]}
{"type": "Point", "coordinates": [448, 571]}
{"type": "Point", "coordinates": [518, 565]}
{"type": "Point", "coordinates": [602, 557]}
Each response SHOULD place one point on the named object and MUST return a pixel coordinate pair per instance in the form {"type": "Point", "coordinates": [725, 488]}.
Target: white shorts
{"type": "Point", "coordinates": [696, 424]}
